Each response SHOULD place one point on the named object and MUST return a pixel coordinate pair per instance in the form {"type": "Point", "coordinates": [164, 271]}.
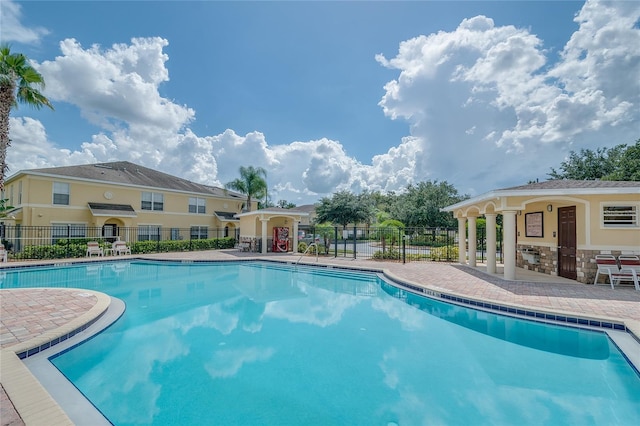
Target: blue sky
{"type": "Point", "coordinates": [328, 96]}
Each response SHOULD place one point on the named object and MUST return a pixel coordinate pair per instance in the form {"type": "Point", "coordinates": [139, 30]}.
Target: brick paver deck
{"type": "Point", "coordinates": [27, 313]}
{"type": "Point", "coordinates": [28, 318]}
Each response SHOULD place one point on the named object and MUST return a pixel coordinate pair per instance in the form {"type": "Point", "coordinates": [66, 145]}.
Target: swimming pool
{"type": "Point", "coordinates": [261, 343]}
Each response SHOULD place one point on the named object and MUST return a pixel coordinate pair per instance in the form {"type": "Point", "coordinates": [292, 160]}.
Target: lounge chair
{"type": "Point", "coordinates": [630, 265]}
{"type": "Point", "coordinates": [120, 247]}
{"type": "Point", "coordinates": [3, 254]}
{"type": "Point", "coordinates": [93, 247]}
{"type": "Point", "coordinates": [607, 264]}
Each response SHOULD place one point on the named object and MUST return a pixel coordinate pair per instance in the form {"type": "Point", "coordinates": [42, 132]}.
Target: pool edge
{"type": "Point", "coordinates": [31, 399]}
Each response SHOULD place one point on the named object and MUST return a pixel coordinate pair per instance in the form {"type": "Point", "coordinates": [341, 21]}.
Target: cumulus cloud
{"type": "Point", "coordinates": [522, 109]}
{"type": "Point", "coordinates": [12, 28]}
{"type": "Point", "coordinates": [485, 105]}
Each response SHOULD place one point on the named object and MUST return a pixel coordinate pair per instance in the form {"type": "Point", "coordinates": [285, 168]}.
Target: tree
{"type": "Point", "coordinates": [627, 165]}
{"type": "Point", "coordinates": [617, 163]}
{"type": "Point", "coordinates": [284, 204]}
{"type": "Point", "coordinates": [420, 205]}
{"type": "Point", "coordinates": [252, 183]}
{"type": "Point", "coordinates": [19, 83]}
{"type": "Point", "coordinates": [344, 208]}
{"type": "Point", "coordinates": [5, 208]}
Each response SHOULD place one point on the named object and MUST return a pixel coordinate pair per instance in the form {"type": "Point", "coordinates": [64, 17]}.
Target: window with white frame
{"type": "Point", "coordinates": [620, 216]}
{"type": "Point", "coordinates": [61, 193]}
{"type": "Point", "coordinates": [199, 232]}
{"type": "Point", "coordinates": [197, 205]}
{"type": "Point", "coordinates": [19, 192]}
{"type": "Point", "coordinates": [67, 231]}
{"type": "Point", "coordinates": [148, 233]}
{"type": "Point", "coordinates": [152, 201]}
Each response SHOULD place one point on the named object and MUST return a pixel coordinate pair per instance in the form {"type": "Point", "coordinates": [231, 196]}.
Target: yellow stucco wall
{"type": "Point", "coordinates": [38, 208]}
{"type": "Point", "coordinates": [590, 230]}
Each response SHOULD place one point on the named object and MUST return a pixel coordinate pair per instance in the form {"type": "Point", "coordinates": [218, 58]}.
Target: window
{"type": "Point", "coordinates": [148, 233]}
{"type": "Point", "coordinates": [619, 216]}
{"type": "Point", "coordinates": [67, 230]}
{"type": "Point", "coordinates": [199, 232]}
{"type": "Point", "coordinates": [196, 205]}
{"type": "Point", "coordinates": [61, 193]}
{"type": "Point", "coordinates": [11, 195]}
{"type": "Point", "coordinates": [152, 201]}
{"type": "Point", "coordinates": [19, 192]}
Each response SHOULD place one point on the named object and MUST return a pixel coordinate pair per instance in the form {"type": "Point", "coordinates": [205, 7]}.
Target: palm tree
{"type": "Point", "coordinates": [252, 182]}
{"type": "Point", "coordinates": [19, 83]}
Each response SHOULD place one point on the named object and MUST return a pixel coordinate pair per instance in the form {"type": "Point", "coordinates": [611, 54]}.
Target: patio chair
{"type": "Point", "coordinates": [120, 247]}
{"type": "Point", "coordinates": [607, 264]}
{"type": "Point", "coordinates": [630, 264]}
{"type": "Point", "coordinates": [3, 253]}
{"type": "Point", "coordinates": [93, 247]}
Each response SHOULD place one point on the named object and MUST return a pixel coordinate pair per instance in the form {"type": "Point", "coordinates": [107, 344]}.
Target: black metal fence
{"type": "Point", "coordinates": [69, 241]}
{"type": "Point", "coordinates": [405, 245]}
{"type": "Point", "coordinates": [378, 243]}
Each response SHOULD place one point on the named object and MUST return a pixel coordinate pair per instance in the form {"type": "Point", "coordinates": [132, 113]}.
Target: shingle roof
{"type": "Point", "coordinates": [126, 173]}
{"type": "Point", "coordinates": [574, 184]}
{"type": "Point", "coordinates": [563, 187]}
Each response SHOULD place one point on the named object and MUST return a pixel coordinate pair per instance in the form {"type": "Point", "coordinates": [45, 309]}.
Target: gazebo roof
{"type": "Point", "coordinates": [561, 187]}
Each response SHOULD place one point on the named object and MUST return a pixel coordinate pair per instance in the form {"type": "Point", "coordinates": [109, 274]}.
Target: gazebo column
{"type": "Point", "coordinates": [472, 241]}
{"type": "Point", "coordinates": [491, 242]}
{"type": "Point", "coordinates": [264, 235]}
{"type": "Point", "coordinates": [462, 246]}
{"type": "Point", "coordinates": [509, 244]}
{"type": "Point", "coordinates": [295, 236]}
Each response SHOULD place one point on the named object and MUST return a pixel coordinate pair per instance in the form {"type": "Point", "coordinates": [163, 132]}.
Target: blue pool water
{"type": "Point", "coordinates": [256, 343]}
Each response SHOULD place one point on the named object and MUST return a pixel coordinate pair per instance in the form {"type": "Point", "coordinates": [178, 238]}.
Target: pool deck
{"type": "Point", "coordinates": [31, 318]}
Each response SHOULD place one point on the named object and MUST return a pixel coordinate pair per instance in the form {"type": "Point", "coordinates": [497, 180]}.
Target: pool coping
{"type": "Point", "coordinates": [31, 400]}
{"type": "Point", "coordinates": [34, 380]}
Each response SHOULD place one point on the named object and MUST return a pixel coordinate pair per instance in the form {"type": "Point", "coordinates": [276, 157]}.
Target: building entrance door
{"type": "Point", "coordinates": [567, 242]}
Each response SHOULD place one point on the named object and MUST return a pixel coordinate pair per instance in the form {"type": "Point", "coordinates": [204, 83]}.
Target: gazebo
{"type": "Point", "coordinates": [271, 229]}
{"type": "Point", "coordinates": [555, 227]}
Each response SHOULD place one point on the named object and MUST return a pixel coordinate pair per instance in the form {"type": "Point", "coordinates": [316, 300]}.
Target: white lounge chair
{"type": "Point", "coordinates": [93, 247]}
{"type": "Point", "coordinates": [607, 264]}
{"type": "Point", "coordinates": [630, 265]}
{"type": "Point", "coordinates": [120, 247]}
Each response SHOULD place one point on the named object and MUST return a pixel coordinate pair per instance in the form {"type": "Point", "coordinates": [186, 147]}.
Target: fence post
{"type": "Point", "coordinates": [355, 242]}
{"type": "Point", "coordinates": [335, 238]}
{"type": "Point", "coordinates": [404, 248]}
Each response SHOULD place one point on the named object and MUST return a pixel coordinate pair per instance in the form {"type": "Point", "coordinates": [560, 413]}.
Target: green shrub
{"type": "Point", "coordinates": [390, 253]}
{"type": "Point", "coordinates": [446, 253]}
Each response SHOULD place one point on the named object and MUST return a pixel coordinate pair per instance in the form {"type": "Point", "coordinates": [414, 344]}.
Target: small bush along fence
{"type": "Point", "coordinates": [78, 247]}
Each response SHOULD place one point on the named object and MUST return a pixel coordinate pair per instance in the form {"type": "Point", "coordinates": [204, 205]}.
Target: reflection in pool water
{"type": "Point", "coordinates": [257, 343]}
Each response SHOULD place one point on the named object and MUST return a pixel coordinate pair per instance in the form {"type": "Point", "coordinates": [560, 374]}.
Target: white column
{"type": "Point", "coordinates": [509, 244]}
{"type": "Point", "coordinates": [264, 235]}
{"type": "Point", "coordinates": [472, 241]}
{"type": "Point", "coordinates": [491, 242]}
{"type": "Point", "coordinates": [462, 246]}
{"type": "Point", "coordinates": [295, 236]}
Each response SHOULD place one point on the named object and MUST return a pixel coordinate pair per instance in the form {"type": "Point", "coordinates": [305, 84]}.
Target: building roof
{"type": "Point", "coordinates": [273, 211]}
{"type": "Point", "coordinates": [106, 209]}
{"type": "Point", "coordinates": [575, 184]}
{"type": "Point", "coordinates": [306, 208]}
{"type": "Point", "coordinates": [126, 173]}
{"type": "Point", "coordinates": [560, 187]}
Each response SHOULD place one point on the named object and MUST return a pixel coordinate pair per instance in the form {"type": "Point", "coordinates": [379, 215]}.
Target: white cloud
{"type": "Point", "coordinates": [524, 112]}
{"type": "Point", "coordinates": [116, 86]}
{"type": "Point", "coordinates": [487, 107]}
{"type": "Point", "coordinates": [12, 28]}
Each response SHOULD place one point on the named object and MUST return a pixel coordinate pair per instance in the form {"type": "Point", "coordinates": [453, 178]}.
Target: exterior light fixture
{"type": "Point", "coordinates": [549, 207]}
